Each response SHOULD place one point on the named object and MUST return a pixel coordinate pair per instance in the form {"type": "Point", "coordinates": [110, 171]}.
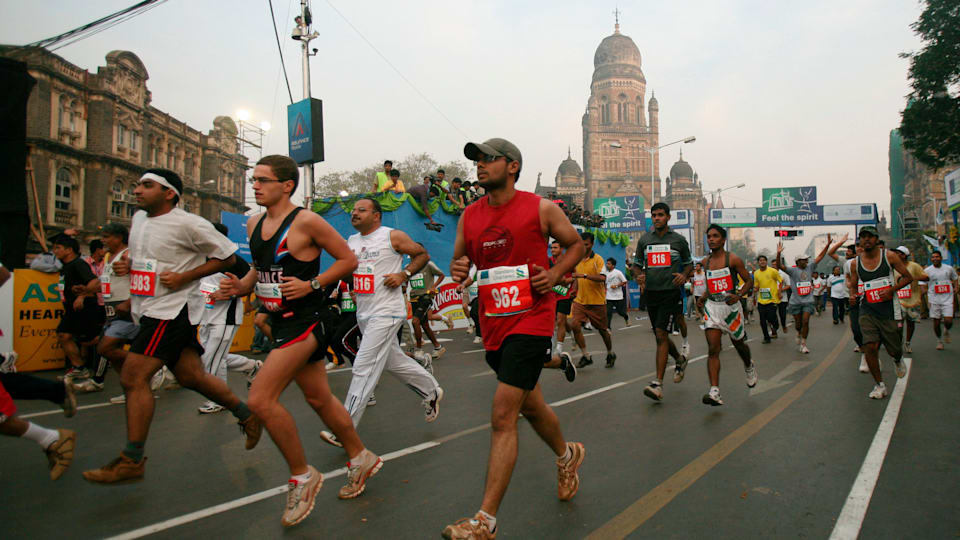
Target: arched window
{"type": "Point", "coordinates": [117, 187]}
{"type": "Point", "coordinates": [63, 189]}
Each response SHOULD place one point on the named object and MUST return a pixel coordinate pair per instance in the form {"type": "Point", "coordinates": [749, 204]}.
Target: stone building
{"type": "Point", "coordinates": [684, 191]}
{"type": "Point", "coordinates": [93, 134]}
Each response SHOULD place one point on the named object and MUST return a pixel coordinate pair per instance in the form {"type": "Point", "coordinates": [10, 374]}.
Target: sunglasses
{"type": "Point", "coordinates": [484, 158]}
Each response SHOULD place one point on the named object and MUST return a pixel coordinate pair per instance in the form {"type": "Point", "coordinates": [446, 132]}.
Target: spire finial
{"type": "Point", "coordinates": [616, 17]}
{"type": "Point", "coordinates": [569, 156]}
{"type": "Point", "coordinates": [681, 154]}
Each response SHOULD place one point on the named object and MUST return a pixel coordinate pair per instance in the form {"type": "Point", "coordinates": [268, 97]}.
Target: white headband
{"type": "Point", "coordinates": [160, 180]}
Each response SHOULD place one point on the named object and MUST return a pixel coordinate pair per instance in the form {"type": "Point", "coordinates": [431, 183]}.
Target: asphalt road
{"type": "Point", "coordinates": [776, 462]}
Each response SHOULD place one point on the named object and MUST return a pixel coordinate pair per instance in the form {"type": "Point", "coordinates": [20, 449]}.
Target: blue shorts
{"type": "Point", "coordinates": [797, 309]}
{"type": "Point", "coordinates": [121, 329]}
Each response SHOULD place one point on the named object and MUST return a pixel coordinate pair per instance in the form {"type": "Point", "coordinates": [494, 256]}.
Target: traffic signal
{"type": "Point", "coordinates": [787, 233]}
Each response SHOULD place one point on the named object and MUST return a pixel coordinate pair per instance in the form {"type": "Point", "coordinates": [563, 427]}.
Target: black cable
{"type": "Point", "coordinates": [280, 50]}
{"type": "Point", "coordinates": [80, 37]}
{"type": "Point", "coordinates": [56, 39]}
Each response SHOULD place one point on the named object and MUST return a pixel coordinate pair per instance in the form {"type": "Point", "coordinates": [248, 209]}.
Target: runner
{"type": "Point", "coordinates": [785, 294]}
{"type": "Point", "coordinates": [82, 318]}
{"type": "Point", "coordinates": [286, 245]}
{"type": "Point", "coordinates": [838, 294]}
{"type": "Point", "coordinates": [818, 285]}
{"type": "Point", "coordinates": [766, 292]}
{"type": "Point", "coordinates": [910, 296]}
{"type": "Point", "coordinates": [381, 310]}
{"type": "Point", "coordinates": [566, 291]}
{"type": "Point", "coordinates": [504, 234]}
{"type": "Point", "coordinates": [879, 310]}
{"type": "Point", "coordinates": [616, 296]}
{"type": "Point", "coordinates": [941, 293]}
{"type": "Point", "coordinates": [724, 313]}
{"type": "Point", "coordinates": [468, 288]}
{"type": "Point", "coordinates": [169, 251]}
{"type": "Point", "coordinates": [663, 265]}
{"type": "Point", "coordinates": [699, 280]}
{"type": "Point", "coordinates": [423, 288]}
{"type": "Point", "coordinates": [801, 303]}
{"type": "Point", "coordinates": [590, 302]}
{"type": "Point", "coordinates": [57, 444]}
{"type": "Point", "coordinates": [222, 315]}
{"type": "Point", "coordinates": [852, 251]}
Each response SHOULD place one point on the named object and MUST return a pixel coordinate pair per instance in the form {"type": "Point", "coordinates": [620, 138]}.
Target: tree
{"type": "Point", "coordinates": [412, 170]}
{"type": "Point", "coordinates": [929, 124]}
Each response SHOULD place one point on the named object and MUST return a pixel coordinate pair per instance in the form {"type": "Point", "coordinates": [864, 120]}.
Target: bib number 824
{"type": "Point", "coordinates": [506, 297]}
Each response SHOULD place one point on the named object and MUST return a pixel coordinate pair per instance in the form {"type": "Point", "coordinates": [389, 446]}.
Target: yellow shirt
{"type": "Point", "coordinates": [590, 293]}
{"type": "Point", "coordinates": [767, 284]}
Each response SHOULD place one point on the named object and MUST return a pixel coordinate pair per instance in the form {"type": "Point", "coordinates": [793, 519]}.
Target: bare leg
{"type": "Point", "coordinates": [714, 346]}
{"type": "Point", "coordinates": [804, 320]}
{"type": "Point", "coordinates": [872, 351]}
{"type": "Point", "coordinates": [578, 336]}
{"type": "Point", "coordinates": [507, 402]}
{"type": "Point", "coordinates": [910, 328]}
{"type": "Point", "coordinates": [312, 380]}
{"type": "Point", "coordinates": [14, 427]}
{"type": "Point", "coordinates": [190, 374]}
{"type": "Point", "coordinates": [135, 379]}
{"type": "Point", "coordinates": [743, 350]}
{"type": "Point", "coordinates": [544, 421]}
{"type": "Point", "coordinates": [111, 348]}
{"type": "Point", "coordinates": [70, 349]}
{"type": "Point", "coordinates": [607, 338]}
{"type": "Point", "coordinates": [561, 327]}
{"type": "Point", "coordinates": [664, 346]}
{"type": "Point", "coordinates": [417, 333]}
{"type": "Point", "coordinates": [431, 334]}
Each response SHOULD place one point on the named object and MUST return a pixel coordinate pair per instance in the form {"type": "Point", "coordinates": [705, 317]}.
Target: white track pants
{"type": "Point", "coordinates": [217, 358]}
{"type": "Point", "coordinates": [380, 349]}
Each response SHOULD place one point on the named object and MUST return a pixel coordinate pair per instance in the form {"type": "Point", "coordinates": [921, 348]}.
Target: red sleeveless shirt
{"type": "Point", "coordinates": [509, 235]}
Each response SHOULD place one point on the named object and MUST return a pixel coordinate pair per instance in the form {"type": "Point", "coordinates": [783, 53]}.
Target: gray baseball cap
{"type": "Point", "coordinates": [493, 147]}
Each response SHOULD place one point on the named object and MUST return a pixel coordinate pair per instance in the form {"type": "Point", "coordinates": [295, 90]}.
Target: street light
{"type": "Point", "coordinates": [654, 191]}
{"type": "Point", "coordinates": [716, 192]}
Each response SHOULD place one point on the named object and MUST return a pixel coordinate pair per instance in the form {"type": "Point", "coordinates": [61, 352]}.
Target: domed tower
{"type": "Point", "coordinates": [569, 180]}
{"type": "Point", "coordinates": [684, 192]}
{"type": "Point", "coordinates": [616, 132]}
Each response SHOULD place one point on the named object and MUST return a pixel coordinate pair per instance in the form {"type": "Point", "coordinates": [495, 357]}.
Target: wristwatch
{"type": "Point", "coordinates": [315, 283]}
{"type": "Point", "coordinates": [407, 272]}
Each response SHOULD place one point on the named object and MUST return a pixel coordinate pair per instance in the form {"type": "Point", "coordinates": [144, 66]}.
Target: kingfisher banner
{"type": "Point", "coordinates": [788, 206]}
{"type": "Point", "coordinates": [622, 214]}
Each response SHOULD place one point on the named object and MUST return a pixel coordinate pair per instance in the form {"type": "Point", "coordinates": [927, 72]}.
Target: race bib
{"type": "Point", "coordinates": [505, 290]}
{"type": "Point", "coordinates": [143, 277]}
{"type": "Point", "coordinates": [904, 293]}
{"type": "Point", "coordinates": [111, 311]}
{"type": "Point", "coordinates": [417, 281]}
{"type": "Point", "coordinates": [719, 281]}
{"type": "Point", "coordinates": [765, 293]}
{"type": "Point", "coordinates": [207, 289]}
{"type": "Point", "coordinates": [562, 290]}
{"type": "Point", "coordinates": [363, 279]}
{"type": "Point", "coordinates": [347, 305]}
{"type": "Point", "coordinates": [941, 286]}
{"type": "Point", "coordinates": [875, 287]}
{"type": "Point", "coordinates": [698, 282]}
{"type": "Point", "coordinates": [860, 289]}
{"type": "Point", "coordinates": [269, 293]}
{"type": "Point", "coordinates": [804, 288]}
{"type": "Point", "coordinates": [105, 285]}
{"type": "Point", "coordinates": [658, 256]}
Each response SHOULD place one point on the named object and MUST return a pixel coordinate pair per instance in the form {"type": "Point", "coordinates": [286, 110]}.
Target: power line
{"type": "Point", "coordinates": [406, 80]}
{"type": "Point", "coordinates": [107, 26]}
{"type": "Point", "coordinates": [84, 31]}
{"type": "Point", "coordinates": [280, 50]}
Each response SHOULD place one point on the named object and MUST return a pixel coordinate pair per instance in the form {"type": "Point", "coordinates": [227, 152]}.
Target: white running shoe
{"type": "Point", "coordinates": [448, 321]}
{"type": "Point", "coordinates": [477, 339]}
{"type": "Point", "coordinates": [685, 349]}
{"type": "Point", "coordinates": [856, 348]}
{"type": "Point", "coordinates": [432, 406]}
{"type": "Point", "coordinates": [901, 368]}
{"type": "Point", "coordinates": [752, 376]}
{"type": "Point", "coordinates": [87, 386]}
{"type": "Point", "coordinates": [804, 349]}
{"type": "Point", "coordinates": [863, 364]}
{"type": "Point", "coordinates": [470, 328]}
{"type": "Point", "coordinates": [654, 391]}
{"type": "Point", "coordinates": [372, 400]}
{"type": "Point", "coordinates": [713, 397]}
{"type": "Point", "coordinates": [210, 408]}
{"type": "Point", "coordinates": [879, 391]}
{"type": "Point", "coordinates": [437, 353]}
{"type": "Point", "coordinates": [331, 366]}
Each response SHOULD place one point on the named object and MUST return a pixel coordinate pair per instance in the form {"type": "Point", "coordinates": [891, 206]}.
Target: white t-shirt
{"type": "Point", "coordinates": [846, 273]}
{"type": "Point", "coordinates": [945, 275]}
{"type": "Point", "coordinates": [173, 242]}
{"type": "Point", "coordinates": [818, 285]}
{"type": "Point", "coordinates": [375, 259]}
{"type": "Point", "coordinates": [837, 285]}
{"type": "Point", "coordinates": [785, 285]}
{"type": "Point", "coordinates": [119, 286]}
{"type": "Point", "coordinates": [615, 278]}
{"type": "Point", "coordinates": [216, 312]}
{"type": "Point", "coordinates": [699, 283]}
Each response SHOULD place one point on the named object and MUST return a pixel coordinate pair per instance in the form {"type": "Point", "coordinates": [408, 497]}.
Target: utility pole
{"type": "Point", "coordinates": [304, 24]}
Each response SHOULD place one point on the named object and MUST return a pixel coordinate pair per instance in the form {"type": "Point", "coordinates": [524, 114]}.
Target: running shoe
{"type": "Point", "coordinates": [856, 348]}
{"type": "Point", "coordinates": [252, 372]}
{"type": "Point", "coordinates": [437, 353]}
{"type": "Point", "coordinates": [863, 364]}
{"type": "Point", "coordinates": [210, 408]}
{"type": "Point", "coordinates": [901, 368]}
{"type": "Point", "coordinates": [939, 345]}
{"type": "Point", "coordinates": [359, 470]}
{"type": "Point", "coordinates": [329, 367]}
{"type": "Point", "coordinates": [685, 349]}
{"type": "Point", "coordinates": [713, 397]}
{"type": "Point", "coordinates": [567, 368]}
{"type": "Point", "coordinates": [680, 368]}
{"type": "Point", "coordinates": [252, 428]}
{"type": "Point", "coordinates": [584, 362]}
{"type": "Point", "coordinates": [87, 386]}
{"type": "Point", "coordinates": [907, 348]}
{"type": "Point", "coordinates": [69, 404]}
{"type": "Point", "coordinates": [76, 374]}
{"type": "Point", "coordinates": [879, 391]}
{"type": "Point", "coordinates": [156, 382]}
{"type": "Point", "coordinates": [675, 333]}
{"type": "Point", "coordinates": [424, 360]}
{"type": "Point", "coordinates": [474, 528]}
{"type": "Point", "coordinates": [432, 406]}
{"type": "Point", "coordinates": [301, 497]}
{"type": "Point", "coordinates": [119, 400]}
{"type": "Point", "coordinates": [752, 376]}
{"type": "Point", "coordinates": [469, 328]}
{"type": "Point", "coordinates": [330, 439]}
{"type": "Point", "coordinates": [8, 362]}
{"type": "Point", "coordinates": [654, 391]}
{"type": "Point", "coordinates": [946, 335]}
{"type": "Point", "coordinates": [448, 321]}
{"type": "Point", "coordinates": [568, 481]}
{"type": "Point", "coordinates": [120, 469]}
{"type": "Point", "coordinates": [804, 349]}
{"type": "Point", "coordinates": [477, 339]}
{"type": "Point", "coordinates": [60, 453]}
{"type": "Point", "coordinates": [611, 359]}
{"type": "Point", "coordinates": [372, 400]}
{"type": "Point", "coordinates": [628, 323]}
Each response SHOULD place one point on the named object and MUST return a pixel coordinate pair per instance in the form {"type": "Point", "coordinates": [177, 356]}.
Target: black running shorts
{"type": "Point", "coordinates": [520, 359]}
{"type": "Point", "coordinates": [564, 306]}
{"type": "Point", "coordinates": [663, 307]}
{"type": "Point", "coordinates": [163, 339]}
{"type": "Point", "coordinates": [83, 325]}
{"type": "Point", "coordinates": [293, 327]}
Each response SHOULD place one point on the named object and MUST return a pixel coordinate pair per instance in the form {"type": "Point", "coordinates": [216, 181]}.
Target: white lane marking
{"type": "Point", "coordinates": [855, 508]}
{"type": "Point", "coordinates": [473, 351]}
{"type": "Point", "coordinates": [279, 490]}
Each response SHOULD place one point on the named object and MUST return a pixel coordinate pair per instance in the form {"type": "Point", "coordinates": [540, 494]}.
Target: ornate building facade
{"type": "Point", "coordinates": [93, 134]}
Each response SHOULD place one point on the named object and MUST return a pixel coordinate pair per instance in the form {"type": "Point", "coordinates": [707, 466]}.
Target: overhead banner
{"type": "Point", "coordinates": [952, 189]}
{"type": "Point", "coordinates": [734, 217]}
{"type": "Point", "coordinates": [305, 131]}
{"type": "Point", "coordinates": [789, 206]}
{"type": "Point", "coordinates": [828, 214]}
{"type": "Point", "coordinates": [623, 214]}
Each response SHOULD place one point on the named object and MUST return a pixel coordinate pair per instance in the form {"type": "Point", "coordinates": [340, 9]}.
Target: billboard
{"type": "Point", "coordinates": [830, 214]}
{"type": "Point", "coordinates": [952, 189]}
{"type": "Point", "coordinates": [790, 206]}
{"type": "Point", "coordinates": [305, 131]}
{"type": "Point", "coordinates": [621, 214]}
{"type": "Point", "coordinates": [237, 233]}
{"type": "Point", "coordinates": [834, 213]}
{"type": "Point", "coordinates": [734, 217]}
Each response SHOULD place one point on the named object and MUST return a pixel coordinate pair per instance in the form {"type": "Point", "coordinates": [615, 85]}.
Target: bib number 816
{"type": "Point", "coordinates": [506, 297]}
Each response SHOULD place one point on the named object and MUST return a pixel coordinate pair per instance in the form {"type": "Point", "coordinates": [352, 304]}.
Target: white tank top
{"type": "Point", "coordinates": [376, 258]}
{"type": "Point", "coordinates": [119, 286]}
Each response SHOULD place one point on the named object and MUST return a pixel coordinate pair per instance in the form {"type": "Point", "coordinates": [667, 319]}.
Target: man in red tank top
{"type": "Point", "coordinates": [505, 235]}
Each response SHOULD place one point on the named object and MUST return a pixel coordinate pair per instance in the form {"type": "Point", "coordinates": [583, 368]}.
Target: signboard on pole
{"type": "Point", "coordinates": [793, 205]}
{"type": "Point", "coordinates": [734, 217]}
{"type": "Point", "coordinates": [621, 214]}
{"type": "Point", "coordinates": [305, 131]}
{"type": "Point", "coordinates": [237, 233]}
{"type": "Point", "coordinates": [952, 189]}
{"type": "Point", "coordinates": [830, 214]}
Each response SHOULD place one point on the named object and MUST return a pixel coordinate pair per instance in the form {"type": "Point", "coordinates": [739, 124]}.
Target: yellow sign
{"type": "Point", "coordinates": [37, 311]}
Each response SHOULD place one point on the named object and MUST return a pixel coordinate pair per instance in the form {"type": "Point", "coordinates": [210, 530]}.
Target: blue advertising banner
{"type": "Point", "coordinates": [828, 214]}
{"type": "Point", "coordinates": [305, 131]}
{"type": "Point", "coordinates": [622, 214]}
{"type": "Point", "coordinates": [237, 233]}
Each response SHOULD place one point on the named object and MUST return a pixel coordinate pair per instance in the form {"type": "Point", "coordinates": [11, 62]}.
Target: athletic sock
{"type": "Point", "coordinates": [659, 382]}
{"type": "Point", "coordinates": [567, 454]}
{"type": "Point", "coordinates": [101, 372]}
{"type": "Point", "coordinates": [40, 435]}
{"type": "Point", "coordinates": [491, 521]}
{"type": "Point", "coordinates": [685, 342]}
{"type": "Point", "coordinates": [717, 388]}
{"type": "Point", "coordinates": [241, 411]}
{"type": "Point", "coordinates": [134, 450]}
{"type": "Point", "coordinates": [301, 478]}
{"type": "Point", "coordinates": [559, 347]}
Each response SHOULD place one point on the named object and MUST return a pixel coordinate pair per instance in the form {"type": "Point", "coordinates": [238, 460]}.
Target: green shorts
{"type": "Point", "coordinates": [884, 331]}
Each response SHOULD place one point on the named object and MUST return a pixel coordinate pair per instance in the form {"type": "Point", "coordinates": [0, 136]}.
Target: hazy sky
{"type": "Point", "coordinates": [777, 93]}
